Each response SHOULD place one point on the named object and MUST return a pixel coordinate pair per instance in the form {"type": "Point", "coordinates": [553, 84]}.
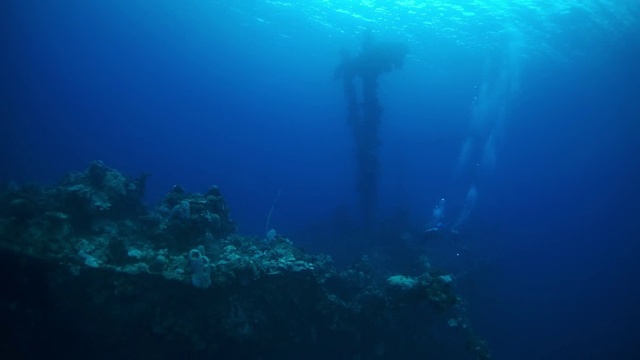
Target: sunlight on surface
{"type": "Point", "coordinates": [477, 23]}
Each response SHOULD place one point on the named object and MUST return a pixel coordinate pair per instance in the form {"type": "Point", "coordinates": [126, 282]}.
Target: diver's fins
{"type": "Point", "coordinates": [432, 233]}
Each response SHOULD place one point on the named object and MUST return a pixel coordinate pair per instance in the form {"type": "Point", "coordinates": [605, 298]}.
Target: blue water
{"type": "Point", "coordinates": [523, 115]}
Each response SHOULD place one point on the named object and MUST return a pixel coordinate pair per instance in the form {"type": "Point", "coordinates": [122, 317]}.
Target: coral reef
{"type": "Point", "coordinates": [93, 271]}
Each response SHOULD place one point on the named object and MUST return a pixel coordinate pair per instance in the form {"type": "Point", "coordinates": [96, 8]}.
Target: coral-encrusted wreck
{"type": "Point", "coordinates": [89, 271]}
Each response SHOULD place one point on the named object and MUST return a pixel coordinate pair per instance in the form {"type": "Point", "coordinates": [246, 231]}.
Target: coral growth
{"type": "Point", "coordinates": [177, 281]}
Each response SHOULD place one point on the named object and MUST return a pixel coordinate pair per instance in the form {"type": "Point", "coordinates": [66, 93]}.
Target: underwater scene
{"type": "Point", "coordinates": [320, 179]}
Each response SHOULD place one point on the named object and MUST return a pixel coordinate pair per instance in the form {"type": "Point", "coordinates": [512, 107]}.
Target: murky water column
{"type": "Point", "coordinates": [374, 59]}
{"type": "Point", "coordinates": [368, 148]}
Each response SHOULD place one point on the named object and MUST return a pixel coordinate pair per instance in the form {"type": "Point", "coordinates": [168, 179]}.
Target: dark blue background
{"type": "Point", "coordinates": [240, 94]}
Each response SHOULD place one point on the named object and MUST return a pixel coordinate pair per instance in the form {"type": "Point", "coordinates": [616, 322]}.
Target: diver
{"type": "Point", "coordinates": [436, 225]}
